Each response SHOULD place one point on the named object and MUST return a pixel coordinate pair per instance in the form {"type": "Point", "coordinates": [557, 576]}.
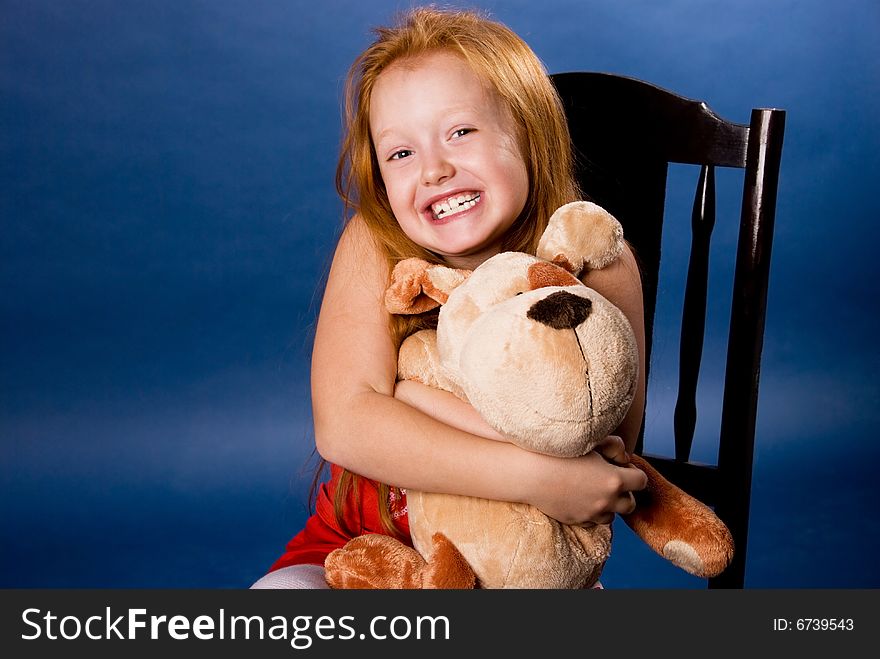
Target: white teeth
{"type": "Point", "coordinates": [454, 205]}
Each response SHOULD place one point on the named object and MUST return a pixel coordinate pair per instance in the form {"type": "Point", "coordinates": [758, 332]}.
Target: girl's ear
{"type": "Point", "coordinates": [418, 286]}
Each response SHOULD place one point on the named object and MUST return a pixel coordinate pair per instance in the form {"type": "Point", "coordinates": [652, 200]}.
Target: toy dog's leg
{"type": "Point", "coordinates": [374, 562]}
{"type": "Point", "coordinates": [679, 527]}
{"type": "Point", "coordinates": [447, 568]}
{"type": "Point", "coordinates": [381, 562]}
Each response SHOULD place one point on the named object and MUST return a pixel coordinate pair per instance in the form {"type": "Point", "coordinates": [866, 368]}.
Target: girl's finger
{"type": "Point", "coordinates": [633, 479]}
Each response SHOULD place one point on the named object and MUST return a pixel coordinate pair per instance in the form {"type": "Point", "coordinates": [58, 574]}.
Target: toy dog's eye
{"type": "Point", "coordinates": [520, 293]}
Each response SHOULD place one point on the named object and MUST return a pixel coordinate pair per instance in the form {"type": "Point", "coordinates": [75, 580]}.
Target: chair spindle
{"type": "Point", "coordinates": [694, 313]}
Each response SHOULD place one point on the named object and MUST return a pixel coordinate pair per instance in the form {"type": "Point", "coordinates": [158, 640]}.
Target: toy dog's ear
{"type": "Point", "coordinates": [581, 235]}
{"type": "Point", "coordinates": [418, 286]}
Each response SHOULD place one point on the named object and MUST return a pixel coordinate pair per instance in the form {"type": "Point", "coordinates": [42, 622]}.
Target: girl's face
{"type": "Point", "coordinates": [449, 158]}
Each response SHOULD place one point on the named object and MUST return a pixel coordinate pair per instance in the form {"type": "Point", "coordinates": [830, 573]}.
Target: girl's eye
{"type": "Point", "coordinates": [399, 155]}
{"type": "Point", "coordinates": [461, 132]}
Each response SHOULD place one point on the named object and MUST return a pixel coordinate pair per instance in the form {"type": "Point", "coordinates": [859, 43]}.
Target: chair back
{"type": "Point", "coordinates": [625, 134]}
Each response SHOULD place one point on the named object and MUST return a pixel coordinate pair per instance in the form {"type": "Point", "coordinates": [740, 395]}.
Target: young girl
{"type": "Point", "coordinates": [456, 149]}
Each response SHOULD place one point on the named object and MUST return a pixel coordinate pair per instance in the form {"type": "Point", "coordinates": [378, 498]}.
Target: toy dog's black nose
{"type": "Point", "coordinates": [561, 310]}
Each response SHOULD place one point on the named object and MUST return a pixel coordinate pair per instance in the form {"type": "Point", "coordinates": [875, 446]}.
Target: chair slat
{"type": "Point", "coordinates": [693, 321]}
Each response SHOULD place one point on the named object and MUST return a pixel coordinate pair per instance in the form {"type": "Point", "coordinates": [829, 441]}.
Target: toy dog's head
{"type": "Point", "coordinates": [547, 361]}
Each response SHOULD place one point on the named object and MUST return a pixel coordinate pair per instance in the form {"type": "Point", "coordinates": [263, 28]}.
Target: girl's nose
{"type": "Point", "coordinates": [436, 169]}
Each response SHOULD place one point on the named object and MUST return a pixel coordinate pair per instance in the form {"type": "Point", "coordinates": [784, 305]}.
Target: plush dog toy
{"type": "Point", "coordinates": [552, 365]}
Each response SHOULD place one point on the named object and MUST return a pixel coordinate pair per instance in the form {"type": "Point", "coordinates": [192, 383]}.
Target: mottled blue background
{"type": "Point", "coordinates": [168, 211]}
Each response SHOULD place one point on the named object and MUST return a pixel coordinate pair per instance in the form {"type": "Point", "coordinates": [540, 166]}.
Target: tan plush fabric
{"type": "Point", "coordinates": [583, 235]}
{"type": "Point", "coordinates": [510, 545]}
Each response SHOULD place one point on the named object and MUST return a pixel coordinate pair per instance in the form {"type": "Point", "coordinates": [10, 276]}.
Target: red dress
{"type": "Point", "coordinates": [323, 533]}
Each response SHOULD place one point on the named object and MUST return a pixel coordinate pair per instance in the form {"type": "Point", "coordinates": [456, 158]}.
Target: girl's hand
{"type": "Point", "coordinates": [586, 490]}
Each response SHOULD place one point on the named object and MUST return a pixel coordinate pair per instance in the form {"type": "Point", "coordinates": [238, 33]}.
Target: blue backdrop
{"type": "Point", "coordinates": [168, 211]}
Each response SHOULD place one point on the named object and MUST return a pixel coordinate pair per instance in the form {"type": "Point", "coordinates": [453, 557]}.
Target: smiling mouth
{"type": "Point", "coordinates": [455, 205]}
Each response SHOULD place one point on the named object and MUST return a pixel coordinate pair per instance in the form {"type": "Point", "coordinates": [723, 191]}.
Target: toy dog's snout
{"type": "Point", "coordinates": [561, 310]}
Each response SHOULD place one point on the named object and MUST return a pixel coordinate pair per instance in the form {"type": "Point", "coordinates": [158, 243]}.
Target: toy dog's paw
{"type": "Point", "coordinates": [679, 527]}
{"type": "Point", "coordinates": [374, 562]}
{"type": "Point", "coordinates": [380, 562]}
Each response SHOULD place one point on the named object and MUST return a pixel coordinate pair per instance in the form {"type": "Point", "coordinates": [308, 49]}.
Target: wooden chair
{"type": "Point", "coordinates": [625, 133]}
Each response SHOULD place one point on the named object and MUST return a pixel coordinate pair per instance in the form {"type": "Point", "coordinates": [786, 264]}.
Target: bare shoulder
{"type": "Point", "coordinates": [353, 348]}
{"type": "Point", "coordinates": [357, 253]}
{"type": "Point", "coordinates": [358, 278]}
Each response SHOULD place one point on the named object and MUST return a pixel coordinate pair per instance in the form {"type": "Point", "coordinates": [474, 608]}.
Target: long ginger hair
{"type": "Point", "coordinates": [512, 70]}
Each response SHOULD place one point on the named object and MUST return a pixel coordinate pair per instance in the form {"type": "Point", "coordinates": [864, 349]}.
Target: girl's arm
{"type": "Point", "coordinates": [361, 426]}
{"type": "Point", "coordinates": [445, 407]}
